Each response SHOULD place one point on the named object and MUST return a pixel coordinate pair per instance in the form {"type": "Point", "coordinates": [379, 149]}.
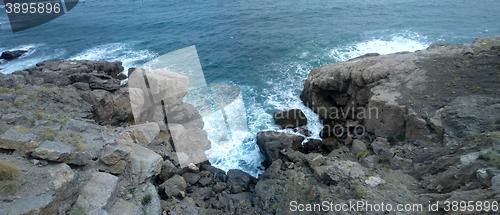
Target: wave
{"type": "Point", "coordinates": [36, 54]}
{"type": "Point", "coordinates": [117, 52]}
{"type": "Point", "coordinates": [385, 45]}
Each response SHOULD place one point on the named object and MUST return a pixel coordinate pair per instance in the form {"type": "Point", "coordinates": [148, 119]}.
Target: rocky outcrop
{"type": "Point", "coordinates": [9, 55]}
{"type": "Point", "coordinates": [271, 144]}
{"type": "Point", "coordinates": [406, 93]}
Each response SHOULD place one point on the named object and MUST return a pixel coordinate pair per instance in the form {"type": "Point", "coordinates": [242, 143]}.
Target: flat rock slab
{"type": "Point", "coordinates": [60, 152]}
{"type": "Point", "coordinates": [144, 133]}
{"type": "Point", "coordinates": [12, 139]}
{"type": "Point", "coordinates": [96, 193]}
{"type": "Point", "coordinates": [144, 162]}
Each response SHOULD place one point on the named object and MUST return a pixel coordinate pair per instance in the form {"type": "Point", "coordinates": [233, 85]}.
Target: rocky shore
{"type": "Point", "coordinates": [404, 128]}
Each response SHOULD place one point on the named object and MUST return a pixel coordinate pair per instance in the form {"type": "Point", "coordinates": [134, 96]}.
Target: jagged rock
{"type": "Point", "coordinates": [60, 152]}
{"type": "Point", "coordinates": [110, 108]}
{"type": "Point", "coordinates": [290, 118]}
{"type": "Point", "coordinates": [144, 133]}
{"type": "Point", "coordinates": [206, 178]}
{"type": "Point", "coordinates": [271, 143]}
{"type": "Point", "coordinates": [122, 207]}
{"type": "Point", "coordinates": [174, 186]}
{"type": "Point", "coordinates": [168, 170]}
{"type": "Point", "coordinates": [239, 177]}
{"type": "Point", "coordinates": [219, 175]}
{"type": "Point", "coordinates": [144, 163]}
{"type": "Point", "coordinates": [191, 178]}
{"type": "Point", "coordinates": [114, 159]}
{"type": "Point", "coordinates": [97, 191]}
{"type": "Point", "coordinates": [9, 55]}
{"type": "Point", "coordinates": [12, 139]}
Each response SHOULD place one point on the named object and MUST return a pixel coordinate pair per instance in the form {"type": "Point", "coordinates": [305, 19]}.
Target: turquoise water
{"type": "Point", "coordinates": [266, 48]}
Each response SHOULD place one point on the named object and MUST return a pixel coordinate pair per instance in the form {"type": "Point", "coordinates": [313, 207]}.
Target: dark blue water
{"type": "Point", "coordinates": [265, 47]}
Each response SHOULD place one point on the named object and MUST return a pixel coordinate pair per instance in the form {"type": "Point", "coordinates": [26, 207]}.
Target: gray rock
{"type": "Point", "coordinates": [358, 147]}
{"type": "Point", "coordinates": [381, 147]}
{"type": "Point", "coordinates": [154, 206]}
{"type": "Point", "coordinates": [239, 177]}
{"type": "Point", "coordinates": [110, 108]}
{"type": "Point", "coordinates": [122, 207]}
{"type": "Point", "coordinates": [144, 162]}
{"type": "Point", "coordinates": [60, 152]}
{"type": "Point", "coordinates": [97, 191]}
{"type": "Point", "coordinates": [144, 133]}
{"type": "Point", "coordinates": [173, 186]}
{"type": "Point", "coordinates": [114, 159]}
{"type": "Point", "coordinates": [271, 143]}
{"type": "Point", "coordinates": [81, 86]}
{"type": "Point", "coordinates": [400, 163]}
{"type": "Point", "coordinates": [290, 118]}
{"type": "Point", "coordinates": [15, 119]}
{"type": "Point", "coordinates": [12, 139]}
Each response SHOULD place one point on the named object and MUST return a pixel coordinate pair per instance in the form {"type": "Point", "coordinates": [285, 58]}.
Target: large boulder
{"type": "Point", "coordinates": [61, 152]}
{"type": "Point", "coordinates": [144, 163]}
{"type": "Point", "coordinates": [271, 143]}
{"type": "Point", "coordinates": [12, 139]}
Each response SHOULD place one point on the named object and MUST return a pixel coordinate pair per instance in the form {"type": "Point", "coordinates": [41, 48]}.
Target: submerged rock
{"type": "Point", "coordinates": [9, 55]}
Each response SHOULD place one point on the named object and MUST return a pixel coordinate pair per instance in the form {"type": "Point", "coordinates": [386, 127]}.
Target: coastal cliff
{"type": "Point", "coordinates": [403, 128]}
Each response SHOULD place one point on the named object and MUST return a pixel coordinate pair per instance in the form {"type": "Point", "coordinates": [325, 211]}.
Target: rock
{"type": "Point", "coordinates": [311, 145]}
{"type": "Point", "coordinates": [173, 186]}
{"type": "Point", "coordinates": [122, 207]}
{"type": "Point", "coordinates": [12, 139]}
{"type": "Point", "coordinates": [15, 119]}
{"type": "Point", "coordinates": [343, 171]}
{"type": "Point", "coordinates": [219, 187]}
{"type": "Point", "coordinates": [374, 181]}
{"type": "Point", "coordinates": [400, 163]}
{"type": "Point", "coordinates": [358, 147]}
{"type": "Point", "coordinates": [60, 152]}
{"type": "Point", "coordinates": [189, 143]}
{"type": "Point", "coordinates": [167, 86]}
{"type": "Point", "coordinates": [114, 159]}
{"type": "Point", "coordinates": [191, 178]}
{"type": "Point", "coordinates": [290, 118]}
{"type": "Point", "coordinates": [206, 178]}
{"type": "Point", "coordinates": [381, 147]}
{"type": "Point", "coordinates": [11, 80]}
{"type": "Point", "coordinates": [154, 207]}
{"type": "Point", "coordinates": [168, 170]}
{"type": "Point", "coordinates": [97, 191]}
{"type": "Point", "coordinates": [144, 133]}
{"type": "Point", "coordinates": [144, 162]}
{"type": "Point", "coordinates": [9, 55]}
{"type": "Point", "coordinates": [271, 143]}
{"type": "Point", "coordinates": [329, 144]}
{"type": "Point", "coordinates": [81, 86]}
{"type": "Point", "coordinates": [239, 177]}
{"type": "Point", "coordinates": [109, 108]}
{"type": "Point", "coordinates": [219, 175]}
{"type": "Point", "coordinates": [105, 82]}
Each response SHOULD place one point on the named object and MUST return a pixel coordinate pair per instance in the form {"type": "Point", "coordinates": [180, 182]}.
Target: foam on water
{"type": "Point", "coordinates": [117, 52]}
{"type": "Point", "coordinates": [394, 43]}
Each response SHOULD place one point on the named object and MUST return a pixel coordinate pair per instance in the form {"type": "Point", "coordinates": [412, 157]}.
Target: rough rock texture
{"type": "Point", "coordinates": [97, 191]}
{"type": "Point", "coordinates": [271, 143]}
{"type": "Point", "coordinates": [290, 118]}
{"type": "Point", "coordinates": [402, 93]}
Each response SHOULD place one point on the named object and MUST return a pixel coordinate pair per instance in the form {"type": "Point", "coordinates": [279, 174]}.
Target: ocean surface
{"type": "Point", "coordinates": [266, 48]}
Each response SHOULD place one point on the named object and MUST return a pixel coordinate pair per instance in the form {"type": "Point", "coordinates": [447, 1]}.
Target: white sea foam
{"type": "Point", "coordinates": [392, 44]}
{"type": "Point", "coordinates": [117, 52]}
{"type": "Point", "coordinates": [36, 54]}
